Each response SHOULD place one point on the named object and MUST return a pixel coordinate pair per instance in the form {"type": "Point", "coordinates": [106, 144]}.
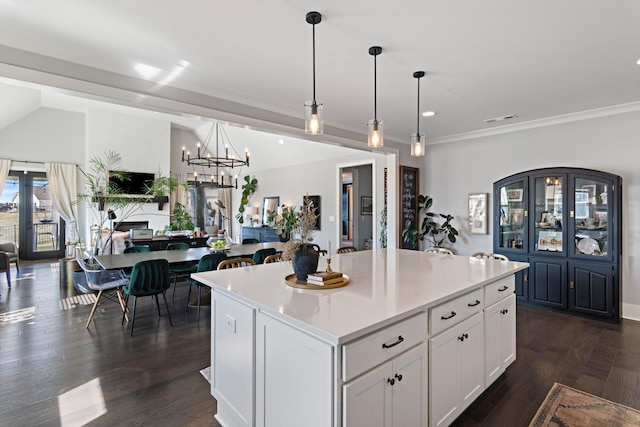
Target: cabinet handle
{"type": "Point", "coordinates": [505, 311]}
{"type": "Point", "coordinates": [453, 313]}
{"type": "Point", "coordinates": [503, 289]}
{"type": "Point", "coordinates": [399, 377]}
{"type": "Point", "coordinates": [398, 341]}
{"type": "Point", "coordinates": [474, 304]}
{"type": "Point", "coordinates": [463, 337]}
{"type": "Point", "coordinates": [391, 381]}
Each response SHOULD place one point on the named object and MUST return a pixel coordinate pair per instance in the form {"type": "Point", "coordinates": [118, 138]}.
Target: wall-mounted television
{"type": "Point", "coordinates": [132, 183]}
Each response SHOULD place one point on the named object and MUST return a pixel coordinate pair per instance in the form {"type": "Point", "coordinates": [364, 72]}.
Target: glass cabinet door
{"type": "Point", "coordinates": [512, 216]}
{"type": "Point", "coordinates": [547, 214]}
{"type": "Point", "coordinates": [591, 217]}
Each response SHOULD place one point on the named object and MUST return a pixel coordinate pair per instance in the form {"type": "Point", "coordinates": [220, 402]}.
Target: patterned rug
{"type": "Point", "coordinates": [567, 407]}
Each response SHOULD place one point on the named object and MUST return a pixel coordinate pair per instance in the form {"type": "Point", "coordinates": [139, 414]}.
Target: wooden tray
{"type": "Point", "coordinates": [302, 284]}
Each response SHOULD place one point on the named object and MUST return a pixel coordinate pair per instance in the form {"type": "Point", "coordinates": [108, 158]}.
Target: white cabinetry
{"type": "Point", "coordinates": [232, 356]}
{"type": "Point", "coordinates": [393, 394]}
{"type": "Point", "coordinates": [500, 337]}
{"type": "Point", "coordinates": [456, 370]}
{"type": "Point", "coordinates": [294, 376]}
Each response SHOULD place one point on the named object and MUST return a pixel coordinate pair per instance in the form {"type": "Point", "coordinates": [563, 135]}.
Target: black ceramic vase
{"type": "Point", "coordinates": [305, 260]}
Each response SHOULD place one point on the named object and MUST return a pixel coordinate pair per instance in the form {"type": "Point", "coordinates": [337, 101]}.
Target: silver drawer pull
{"type": "Point", "coordinates": [474, 304]}
{"type": "Point", "coordinates": [398, 341]}
{"type": "Point", "coordinates": [453, 313]}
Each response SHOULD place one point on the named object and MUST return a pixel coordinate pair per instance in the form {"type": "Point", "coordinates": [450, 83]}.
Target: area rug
{"type": "Point", "coordinates": [567, 407]}
{"type": "Point", "coordinates": [206, 373]}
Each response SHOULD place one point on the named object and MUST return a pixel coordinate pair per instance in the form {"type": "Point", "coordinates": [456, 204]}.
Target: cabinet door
{"type": "Point", "coordinates": [409, 391]}
{"type": "Point", "coordinates": [456, 370]}
{"type": "Point", "coordinates": [511, 213]}
{"type": "Point", "coordinates": [548, 282]}
{"type": "Point", "coordinates": [548, 214]}
{"type": "Point", "coordinates": [284, 355]}
{"type": "Point", "coordinates": [521, 279]}
{"type": "Point", "coordinates": [591, 288]}
{"type": "Point", "coordinates": [471, 359]}
{"type": "Point", "coordinates": [367, 399]}
{"type": "Point", "coordinates": [500, 338]}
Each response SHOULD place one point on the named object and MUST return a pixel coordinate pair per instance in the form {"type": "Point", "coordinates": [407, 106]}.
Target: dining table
{"type": "Point", "coordinates": [120, 261]}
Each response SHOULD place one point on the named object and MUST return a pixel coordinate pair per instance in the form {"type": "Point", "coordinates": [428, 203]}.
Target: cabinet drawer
{"type": "Point", "coordinates": [451, 312]}
{"type": "Point", "coordinates": [497, 290]}
{"type": "Point", "coordinates": [361, 355]}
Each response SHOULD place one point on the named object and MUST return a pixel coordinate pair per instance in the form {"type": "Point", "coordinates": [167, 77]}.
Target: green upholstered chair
{"type": "Point", "coordinates": [136, 249]}
{"type": "Point", "coordinates": [182, 269]}
{"type": "Point", "coordinates": [248, 241]}
{"type": "Point", "coordinates": [208, 262]}
{"type": "Point", "coordinates": [12, 252]}
{"type": "Point", "coordinates": [148, 278]}
{"type": "Point", "coordinates": [261, 254]}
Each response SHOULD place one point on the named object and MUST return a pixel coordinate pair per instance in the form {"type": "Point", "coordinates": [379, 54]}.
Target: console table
{"type": "Point", "coordinates": [160, 243]}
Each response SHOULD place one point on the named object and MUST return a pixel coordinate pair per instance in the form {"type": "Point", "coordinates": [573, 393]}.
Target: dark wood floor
{"type": "Point", "coordinates": [52, 368]}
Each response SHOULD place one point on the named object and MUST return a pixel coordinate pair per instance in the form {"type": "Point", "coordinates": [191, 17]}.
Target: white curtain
{"type": "Point", "coordinates": [5, 166]}
{"type": "Point", "coordinates": [64, 193]}
{"type": "Point", "coordinates": [179, 195]}
{"type": "Point", "coordinates": [225, 197]}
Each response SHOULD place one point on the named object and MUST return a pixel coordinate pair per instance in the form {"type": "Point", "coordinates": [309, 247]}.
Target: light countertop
{"type": "Point", "coordinates": [385, 286]}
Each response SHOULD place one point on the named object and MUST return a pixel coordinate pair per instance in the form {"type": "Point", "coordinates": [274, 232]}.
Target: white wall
{"type": "Point", "coordinates": [610, 144]}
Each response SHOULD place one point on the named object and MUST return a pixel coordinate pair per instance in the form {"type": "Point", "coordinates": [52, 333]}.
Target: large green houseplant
{"type": "Point", "coordinates": [161, 187]}
{"type": "Point", "coordinates": [248, 188]}
{"type": "Point", "coordinates": [435, 233]}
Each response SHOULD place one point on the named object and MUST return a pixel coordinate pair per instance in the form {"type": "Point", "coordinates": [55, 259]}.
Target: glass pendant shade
{"type": "Point", "coordinates": [417, 144]}
{"type": "Point", "coordinates": [376, 133]}
{"type": "Point", "coordinates": [314, 120]}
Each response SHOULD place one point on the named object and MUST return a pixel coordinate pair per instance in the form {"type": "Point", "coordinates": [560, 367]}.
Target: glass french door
{"type": "Point", "coordinates": [27, 216]}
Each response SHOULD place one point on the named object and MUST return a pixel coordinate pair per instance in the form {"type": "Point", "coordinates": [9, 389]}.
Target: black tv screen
{"type": "Point", "coordinates": [131, 183]}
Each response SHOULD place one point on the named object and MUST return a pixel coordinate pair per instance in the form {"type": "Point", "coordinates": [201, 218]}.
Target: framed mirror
{"type": "Point", "coordinates": [269, 204]}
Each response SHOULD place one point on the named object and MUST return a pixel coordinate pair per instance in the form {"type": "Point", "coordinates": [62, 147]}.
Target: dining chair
{"type": "Point", "coordinates": [273, 258]}
{"type": "Point", "coordinates": [490, 256]}
{"type": "Point", "coordinates": [107, 283]}
{"type": "Point", "coordinates": [261, 254]}
{"type": "Point", "coordinates": [235, 263]}
{"type": "Point", "coordinates": [208, 262]}
{"type": "Point", "coordinates": [136, 249]}
{"type": "Point", "coordinates": [148, 278]}
{"type": "Point", "coordinates": [249, 240]}
{"type": "Point", "coordinates": [346, 249]}
{"type": "Point", "coordinates": [499, 257]}
{"type": "Point", "coordinates": [12, 252]}
{"type": "Point", "coordinates": [183, 269]}
{"type": "Point", "coordinates": [479, 255]}
{"type": "Point", "coordinates": [444, 251]}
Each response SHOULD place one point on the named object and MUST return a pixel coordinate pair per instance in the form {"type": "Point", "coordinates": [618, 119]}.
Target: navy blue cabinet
{"type": "Point", "coordinates": [566, 222]}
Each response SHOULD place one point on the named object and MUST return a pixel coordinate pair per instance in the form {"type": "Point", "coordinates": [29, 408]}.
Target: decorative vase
{"type": "Point", "coordinates": [305, 260]}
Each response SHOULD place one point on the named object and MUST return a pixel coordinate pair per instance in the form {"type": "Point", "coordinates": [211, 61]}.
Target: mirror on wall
{"type": "Point", "coordinates": [269, 206]}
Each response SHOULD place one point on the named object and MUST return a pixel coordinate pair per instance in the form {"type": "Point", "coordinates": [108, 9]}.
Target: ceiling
{"type": "Point", "coordinates": [483, 58]}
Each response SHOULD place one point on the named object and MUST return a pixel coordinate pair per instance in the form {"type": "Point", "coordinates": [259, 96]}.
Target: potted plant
{"type": "Point", "coordinates": [160, 189]}
{"type": "Point", "coordinates": [438, 235]}
{"type": "Point", "coordinates": [300, 225]}
{"type": "Point", "coordinates": [248, 188]}
{"type": "Point", "coordinates": [182, 221]}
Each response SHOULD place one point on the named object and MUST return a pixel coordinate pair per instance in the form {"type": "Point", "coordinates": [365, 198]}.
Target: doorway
{"type": "Point", "coordinates": [356, 187]}
{"type": "Point", "coordinates": [28, 218]}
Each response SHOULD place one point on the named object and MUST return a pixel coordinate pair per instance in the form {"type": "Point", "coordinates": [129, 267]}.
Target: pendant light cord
{"type": "Point", "coordinates": [375, 90]}
{"type": "Point", "coordinates": [314, 62]}
{"type": "Point", "coordinates": [418, 115]}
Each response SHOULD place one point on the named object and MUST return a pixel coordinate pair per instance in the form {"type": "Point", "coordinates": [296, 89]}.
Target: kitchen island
{"type": "Point", "coordinates": [370, 353]}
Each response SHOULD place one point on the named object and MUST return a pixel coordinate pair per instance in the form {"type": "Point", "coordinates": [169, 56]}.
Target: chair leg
{"type": "Point", "coordinates": [175, 283]}
{"type": "Point", "coordinates": [198, 312]}
{"type": "Point", "coordinates": [126, 309]}
{"type": "Point", "coordinates": [123, 306]}
{"type": "Point", "coordinates": [8, 277]}
{"type": "Point", "coordinates": [186, 307]}
{"type": "Point", "coordinates": [167, 306]}
{"type": "Point", "coordinates": [155, 297]}
{"type": "Point", "coordinates": [93, 310]}
{"type": "Point", "coordinates": [133, 318]}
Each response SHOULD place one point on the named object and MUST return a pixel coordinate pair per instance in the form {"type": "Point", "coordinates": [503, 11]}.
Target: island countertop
{"type": "Point", "coordinates": [385, 285]}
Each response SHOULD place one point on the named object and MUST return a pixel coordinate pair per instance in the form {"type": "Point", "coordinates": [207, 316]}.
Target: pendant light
{"type": "Point", "coordinates": [313, 111]}
{"type": "Point", "coordinates": [417, 139]}
{"type": "Point", "coordinates": [374, 127]}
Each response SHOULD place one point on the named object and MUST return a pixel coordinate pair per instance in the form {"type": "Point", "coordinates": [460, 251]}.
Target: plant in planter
{"type": "Point", "coordinates": [182, 221]}
{"type": "Point", "coordinates": [248, 188]}
{"type": "Point", "coordinates": [160, 189]}
{"type": "Point", "coordinates": [438, 235]}
{"type": "Point", "coordinates": [300, 224]}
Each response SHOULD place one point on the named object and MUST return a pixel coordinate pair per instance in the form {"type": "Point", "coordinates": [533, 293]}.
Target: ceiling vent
{"type": "Point", "coordinates": [499, 119]}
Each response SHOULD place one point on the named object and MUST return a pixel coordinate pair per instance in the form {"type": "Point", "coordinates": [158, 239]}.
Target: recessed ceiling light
{"type": "Point", "coordinates": [281, 141]}
{"type": "Point", "coordinates": [429, 114]}
{"type": "Point", "coordinates": [501, 118]}
{"type": "Point", "coordinates": [638, 62]}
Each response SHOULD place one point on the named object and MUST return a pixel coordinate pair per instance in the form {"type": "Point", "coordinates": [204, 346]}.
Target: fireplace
{"type": "Point", "coordinates": [128, 225]}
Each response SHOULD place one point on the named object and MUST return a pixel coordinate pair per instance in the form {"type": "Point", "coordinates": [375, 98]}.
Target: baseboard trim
{"type": "Point", "coordinates": [631, 311]}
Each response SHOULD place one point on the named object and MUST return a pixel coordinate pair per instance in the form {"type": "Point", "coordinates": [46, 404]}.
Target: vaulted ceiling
{"type": "Point", "coordinates": [483, 58]}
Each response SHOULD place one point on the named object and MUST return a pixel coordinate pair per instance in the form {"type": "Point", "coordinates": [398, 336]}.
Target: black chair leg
{"type": "Point", "coordinates": [198, 313]}
{"type": "Point", "coordinates": [186, 307]}
{"type": "Point", "coordinates": [175, 283]}
{"type": "Point", "coordinates": [133, 318]}
{"type": "Point", "coordinates": [8, 278]}
{"type": "Point", "coordinates": [167, 306]}
{"type": "Point", "coordinates": [157, 304]}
